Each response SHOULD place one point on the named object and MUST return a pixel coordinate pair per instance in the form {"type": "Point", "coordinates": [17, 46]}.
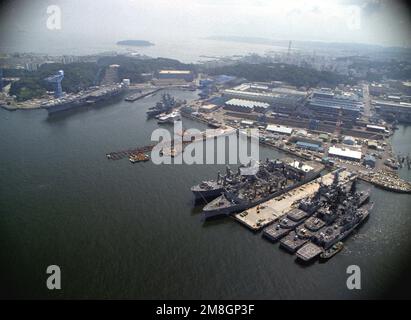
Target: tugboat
{"type": "Point", "coordinates": [331, 252]}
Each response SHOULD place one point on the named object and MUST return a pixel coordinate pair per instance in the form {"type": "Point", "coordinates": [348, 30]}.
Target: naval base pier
{"type": "Point", "coordinates": [271, 211]}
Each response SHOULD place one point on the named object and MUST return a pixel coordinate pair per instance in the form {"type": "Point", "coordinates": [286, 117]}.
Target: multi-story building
{"type": "Point", "coordinates": [327, 102]}
{"type": "Point", "coordinates": [186, 75]}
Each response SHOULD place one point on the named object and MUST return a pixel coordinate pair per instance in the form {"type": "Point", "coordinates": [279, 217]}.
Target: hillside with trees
{"type": "Point", "coordinates": [132, 68]}
{"type": "Point", "coordinates": [294, 75]}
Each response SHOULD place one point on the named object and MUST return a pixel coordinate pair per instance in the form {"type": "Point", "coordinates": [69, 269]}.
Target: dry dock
{"type": "Point", "coordinates": [268, 212]}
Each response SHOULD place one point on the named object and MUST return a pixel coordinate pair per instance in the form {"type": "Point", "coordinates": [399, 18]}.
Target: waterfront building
{"type": "Point", "coordinates": [208, 108]}
{"type": "Point", "coordinates": [393, 110]}
{"type": "Point", "coordinates": [279, 129]}
{"type": "Point", "coordinates": [324, 137]}
{"type": "Point", "coordinates": [349, 140]}
{"type": "Point", "coordinates": [344, 153]}
{"type": "Point", "coordinates": [241, 105]}
{"type": "Point", "coordinates": [369, 160]}
{"type": "Point", "coordinates": [284, 99]}
{"type": "Point", "coordinates": [308, 146]}
{"type": "Point", "coordinates": [186, 75]}
{"type": "Point", "coordinates": [375, 128]}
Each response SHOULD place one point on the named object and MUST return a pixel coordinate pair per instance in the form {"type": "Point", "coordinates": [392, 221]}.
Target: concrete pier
{"type": "Point", "coordinates": [268, 212]}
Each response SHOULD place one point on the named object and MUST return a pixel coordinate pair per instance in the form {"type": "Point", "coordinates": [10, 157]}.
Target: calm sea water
{"type": "Point", "coordinates": [186, 50]}
{"type": "Point", "coordinates": [119, 230]}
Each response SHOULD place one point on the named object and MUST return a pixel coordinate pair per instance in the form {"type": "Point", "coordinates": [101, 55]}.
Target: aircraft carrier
{"type": "Point", "coordinates": [84, 98]}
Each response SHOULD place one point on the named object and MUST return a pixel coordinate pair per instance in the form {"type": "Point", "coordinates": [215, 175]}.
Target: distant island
{"type": "Point", "coordinates": [135, 43]}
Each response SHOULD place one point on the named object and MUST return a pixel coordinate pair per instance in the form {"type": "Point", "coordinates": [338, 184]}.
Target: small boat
{"type": "Point", "coordinates": [331, 252]}
{"type": "Point", "coordinates": [170, 118]}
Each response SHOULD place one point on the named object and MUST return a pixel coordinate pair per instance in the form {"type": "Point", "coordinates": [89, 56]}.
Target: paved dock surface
{"type": "Point", "coordinates": [264, 214]}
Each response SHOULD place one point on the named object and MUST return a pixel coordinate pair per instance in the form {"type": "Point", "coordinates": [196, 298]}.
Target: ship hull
{"type": "Point", "coordinates": [209, 194]}
{"type": "Point", "coordinates": [211, 212]}
{"type": "Point", "coordinates": [82, 103]}
{"type": "Point", "coordinates": [346, 233]}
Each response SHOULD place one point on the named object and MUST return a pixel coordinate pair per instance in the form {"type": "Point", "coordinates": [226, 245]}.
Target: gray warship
{"type": "Point", "coordinates": [166, 105]}
{"type": "Point", "coordinates": [339, 213]}
{"type": "Point", "coordinates": [273, 178]}
{"type": "Point", "coordinates": [84, 98]}
{"type": "Point", "coordinates": [210, 189]}
{"type": "Point", "coordinates": [304, 214]}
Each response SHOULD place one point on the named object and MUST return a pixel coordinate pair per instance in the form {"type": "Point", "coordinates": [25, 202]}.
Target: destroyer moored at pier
{"type": "Point", "coordinates": [210, 189]}
{"type": "Point", "coordinates": [272, 179]}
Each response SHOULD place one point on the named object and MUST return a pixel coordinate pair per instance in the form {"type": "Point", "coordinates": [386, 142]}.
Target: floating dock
{"type": "Point", "coordinates": [117, 155]}
{"type": "Point", "coordinates": [271, 211]}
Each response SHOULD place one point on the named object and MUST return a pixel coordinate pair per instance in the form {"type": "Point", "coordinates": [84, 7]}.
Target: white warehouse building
{"type": "Point", "coordinates": [345, 153]}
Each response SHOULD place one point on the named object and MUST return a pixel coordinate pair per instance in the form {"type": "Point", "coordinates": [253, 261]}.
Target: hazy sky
{"type": "Point", "coordinates": [368, 21]}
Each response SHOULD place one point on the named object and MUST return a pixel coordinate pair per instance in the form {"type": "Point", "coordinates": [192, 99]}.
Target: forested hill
{"type": "Point", "coordinates": [294, 75]}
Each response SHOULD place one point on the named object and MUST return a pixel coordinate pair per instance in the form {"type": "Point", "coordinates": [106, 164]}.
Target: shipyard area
{"type": "Point", "coordinates": [308, 201]}
{"type": "Point", "coordinates": [330, 138]}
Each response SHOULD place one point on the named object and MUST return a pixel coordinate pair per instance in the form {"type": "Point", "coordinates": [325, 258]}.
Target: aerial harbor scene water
{"type": "Point", "coordinates": [329, 189]}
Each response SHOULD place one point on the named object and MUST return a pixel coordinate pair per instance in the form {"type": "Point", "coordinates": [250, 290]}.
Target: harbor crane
{"type": "Point", "coordinates": [56, 81]}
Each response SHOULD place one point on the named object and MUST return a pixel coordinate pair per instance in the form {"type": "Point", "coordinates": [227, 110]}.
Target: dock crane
{"type": "Point", "coordinates": [338, 123]}
{"type": "Point", "coordinates": [56, 81]}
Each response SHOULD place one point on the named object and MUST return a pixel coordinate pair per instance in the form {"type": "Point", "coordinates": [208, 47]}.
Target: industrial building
{"type": "Point", "coordinates": [279, 98]}
{"type": "Point", "coordinates": [279, 129]}
{"type": "Point", "coordinates": [308, 146]}
{"type": "Point", "coordinates": [295, 138]}
{"type": "Point", "coordinates": [376, 89]}
{"type": "Point", "coordinates": [241, 105]}
{"type": "Point", "coordinates": [208, 108]}
{"type": "Point", "coordinates": [224, 79]}
{"type": "Point", "coordinates": [349, 140]}
{"type": "Point", "coordinates": [372, 145]}
{"type": "Point", "coordinates": [375, 128]}
{"type": "Point", "coordinates": [326, 101]}
{"type": "Point", "coordinates": [261, 107]}
{"type": "Point", "coordinates": [247, 123]}
{"type": "Point", "coordinates": [186, 75]}
{"type": "Point", "coordinates": [394, 110]}
{"type": "Point", "coordinates": [324, 137]}
{"type": "Point", "coordinates": [344, 153]}
{"type": "Point", "coordinates": [323, 93]}
{"type": "Point", "coordinates": [369, 161]}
